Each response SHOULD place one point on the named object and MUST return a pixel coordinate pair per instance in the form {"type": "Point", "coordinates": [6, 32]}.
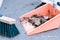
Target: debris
{"type": "Point", "coordinates": [36, 20]}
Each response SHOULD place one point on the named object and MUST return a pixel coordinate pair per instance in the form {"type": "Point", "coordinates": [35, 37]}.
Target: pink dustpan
{"type": "Point", "coordinates": [53, 23]}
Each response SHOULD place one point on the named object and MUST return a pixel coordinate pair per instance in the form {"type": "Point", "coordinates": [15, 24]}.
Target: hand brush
{"type": "Point", "coordinates": [7, 27]}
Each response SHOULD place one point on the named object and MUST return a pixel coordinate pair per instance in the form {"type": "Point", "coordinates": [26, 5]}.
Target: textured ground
{"type": "Point", "coordinates": [16, 8]}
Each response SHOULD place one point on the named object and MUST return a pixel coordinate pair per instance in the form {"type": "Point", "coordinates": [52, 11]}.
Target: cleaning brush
{"type": "Point", "coordinates": [8, 27]}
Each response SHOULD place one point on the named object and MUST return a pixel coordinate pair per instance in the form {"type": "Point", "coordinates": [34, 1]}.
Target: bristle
{"type": "Point", "coordinates": [8, 30]}
{"type": "Point", "coordinates": [12, 30]}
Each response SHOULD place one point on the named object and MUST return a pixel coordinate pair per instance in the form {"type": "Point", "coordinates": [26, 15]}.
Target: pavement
{"type": "Point", "coordinates": [16, 8]}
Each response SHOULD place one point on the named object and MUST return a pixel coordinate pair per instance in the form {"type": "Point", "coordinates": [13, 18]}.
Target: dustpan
{"type": "Point", "coordinates": [53, 23]}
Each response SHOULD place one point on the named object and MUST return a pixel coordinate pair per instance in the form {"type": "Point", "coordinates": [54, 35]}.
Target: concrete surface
{"type": "Point", "coordinates": [16, 8]}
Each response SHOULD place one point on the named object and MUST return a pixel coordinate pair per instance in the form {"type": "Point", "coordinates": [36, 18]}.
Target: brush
{"type": "Point", "coordinates": [8, 27]}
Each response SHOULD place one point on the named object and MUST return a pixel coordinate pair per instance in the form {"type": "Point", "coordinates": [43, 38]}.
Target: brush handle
{"type": "Point", "coordinates": [7, 20]}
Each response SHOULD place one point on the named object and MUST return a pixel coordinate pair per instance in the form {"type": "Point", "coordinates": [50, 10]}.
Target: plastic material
{"type": "Point", "coordinates": [45, 10]}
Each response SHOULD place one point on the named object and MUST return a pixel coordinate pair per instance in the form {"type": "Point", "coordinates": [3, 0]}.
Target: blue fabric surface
{"type": "Point", "coordinates": [16, 8]}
